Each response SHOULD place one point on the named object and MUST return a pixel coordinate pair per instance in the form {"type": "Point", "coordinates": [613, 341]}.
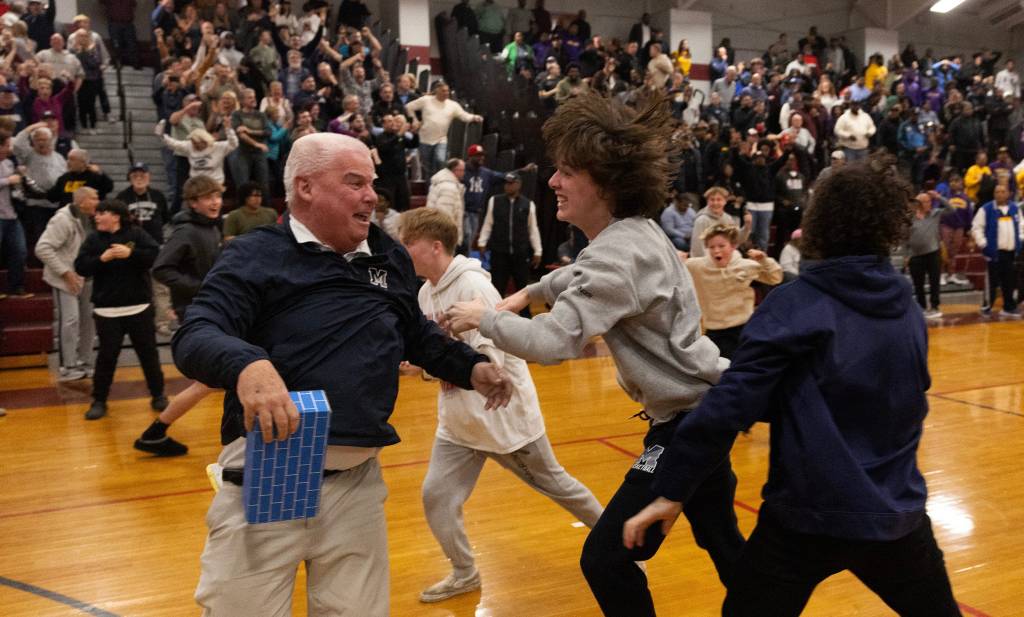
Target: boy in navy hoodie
{"type": "Point", "coordinates": [836, 361]}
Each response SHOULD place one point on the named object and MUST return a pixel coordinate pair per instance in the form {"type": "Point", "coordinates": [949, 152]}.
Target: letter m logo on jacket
{"type": "Point", "coordinates": [379, 277]}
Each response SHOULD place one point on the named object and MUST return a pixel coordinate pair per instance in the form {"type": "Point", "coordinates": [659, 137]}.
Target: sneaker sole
{"type": "Point", "coordinates": [430, 599]}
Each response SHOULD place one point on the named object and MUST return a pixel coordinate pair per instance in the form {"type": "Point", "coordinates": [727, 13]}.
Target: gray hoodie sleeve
{"type": "Point", "coordinates": [551, 285]}
{"type": "Point", "coordinates": [598, 296]}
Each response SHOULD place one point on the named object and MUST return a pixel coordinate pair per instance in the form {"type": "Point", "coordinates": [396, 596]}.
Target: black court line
{"type": "Point", "coordinates": [60, 598]}
{"type": "Point", "coordinates": [982, 405]}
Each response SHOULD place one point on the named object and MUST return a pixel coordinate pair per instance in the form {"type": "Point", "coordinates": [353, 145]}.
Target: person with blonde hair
{"type": "Point", "coordinates": [723, 278]}
{"type": "Point", "coordinates": [205, 155]}
{"type": "Point", "coordinates": [467, 433]}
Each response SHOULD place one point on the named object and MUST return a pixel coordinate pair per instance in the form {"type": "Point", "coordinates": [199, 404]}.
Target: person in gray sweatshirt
{"type": "Point", "coordinates": [923, 255]}
{"type": "Point", "coordinates": [630, 287]}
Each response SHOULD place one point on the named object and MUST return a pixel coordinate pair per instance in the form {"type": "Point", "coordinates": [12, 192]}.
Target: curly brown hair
{"type": "Point", "coordinates": [862, 208]}
{"type": "Point", "coordinates": [625, 151]}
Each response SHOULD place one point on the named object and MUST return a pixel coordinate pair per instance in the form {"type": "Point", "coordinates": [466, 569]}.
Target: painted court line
{"type": "Point", "coordinates": [981, 405]}
{"type": "Point", "coordinates": [60, 598]}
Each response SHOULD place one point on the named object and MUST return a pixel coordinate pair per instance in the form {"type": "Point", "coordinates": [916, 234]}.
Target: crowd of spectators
{"type": "Point", "coordinates": [236, 86]}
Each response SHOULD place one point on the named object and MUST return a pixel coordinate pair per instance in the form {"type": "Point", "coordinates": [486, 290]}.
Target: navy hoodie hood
{"type": "Point", "coordinates": [867, 284]}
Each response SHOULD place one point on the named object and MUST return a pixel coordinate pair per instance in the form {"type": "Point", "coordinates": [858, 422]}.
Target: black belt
{"type": "Point", "coordinates": [236, 476]}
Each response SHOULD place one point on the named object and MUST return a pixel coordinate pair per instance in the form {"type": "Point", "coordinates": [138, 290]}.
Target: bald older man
{"type": "Point", "coordinates": [81, 172]}
{"type": "Point", "coordinates": [325, 300]}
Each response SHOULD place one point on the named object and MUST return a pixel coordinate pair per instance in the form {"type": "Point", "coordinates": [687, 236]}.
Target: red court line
{"type": "Point", "coordinates": [108, 503]}
{"type": "Point", "coordinates": [970, 610]}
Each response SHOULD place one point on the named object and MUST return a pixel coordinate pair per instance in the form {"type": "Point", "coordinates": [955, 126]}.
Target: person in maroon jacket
{"type": "Point", "coordinates": [121, 28]}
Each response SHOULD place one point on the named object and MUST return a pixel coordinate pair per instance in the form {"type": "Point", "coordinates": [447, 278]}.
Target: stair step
{"type": "Point", "coordinates": [33, 281]}
{"type": "Point", "coordinates": [32, 337]}
{"type": "Point", "coordinates": [21, 310]}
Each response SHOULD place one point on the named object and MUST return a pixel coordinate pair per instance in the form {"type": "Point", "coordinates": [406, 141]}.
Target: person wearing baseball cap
{"type": "Point", "coordinates": [510, 231]}
{"type": "Point", "coordinates": [147, 205]}
{"type": "Point", "coordinates": [479, 180]}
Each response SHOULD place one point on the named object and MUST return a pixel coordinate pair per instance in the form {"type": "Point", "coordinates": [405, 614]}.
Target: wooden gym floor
{"type": "Point", "coordinates": [90, 526]}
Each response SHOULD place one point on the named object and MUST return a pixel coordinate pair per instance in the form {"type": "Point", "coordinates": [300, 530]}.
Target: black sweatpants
{"type": "Point", "coordinates": [514, 266]}
{"type": "Point", "coordinates": [1002, 275]}
{"type": "Point", "coordinates": [142, 333]}
{"type": "Point", "coordinates": [617, 583]}
{"type": "Point", "coordinates": [930, 264]}
{"type": "Point", "coordinates": [779, 569]}
{"type": "Point", "coordinates": [727, 339]}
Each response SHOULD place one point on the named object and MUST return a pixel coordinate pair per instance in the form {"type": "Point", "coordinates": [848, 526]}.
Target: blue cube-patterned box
{"type": "Point", "coordinates": [282, 478]}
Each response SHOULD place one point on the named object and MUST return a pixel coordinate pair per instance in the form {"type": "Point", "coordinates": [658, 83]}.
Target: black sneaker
{"type": "Point", "coordinates": [159, 403]}
{"type": "Point", "coordinates": [162, 447]}
{"type": "Point", "coordinates": [97, 410]}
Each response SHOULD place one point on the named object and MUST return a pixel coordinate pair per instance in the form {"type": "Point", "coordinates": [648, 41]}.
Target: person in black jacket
{"type": "Point", "coordinates": [324, 301]}
{"type": "Point", "coordinates": [182, 265]}
{"type": "Point", "coordinates": [80, 173]}
{"type": "Point", "coordinates": [148, 208]}
{"type": "Point", "coordinates": [147, 205]}
{"type": "Point", "coordinates": [391, 146]}
{"type": "Point", "coordinates": [194, 243]}
{"type": "Point", "coordinates": [117, 256]}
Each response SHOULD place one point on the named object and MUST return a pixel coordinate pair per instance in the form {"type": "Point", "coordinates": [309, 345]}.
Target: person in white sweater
{"type": "Point", "coordinates": [854, 130]}
{"type": "Point", "coordinates": [628, 286]}
{"type": "Point", "coordinates": [437, 111]}
{"type": "Point", "coordinates": [714, 214]}
{"type": "Point", "coordinates": [467, 433]}
{"type": "Point", "coordinates": [205, 155]}
{"type": "Point", "coordinates": [722, 278]}
{"type": "Point", "coordinates": [447, 192]}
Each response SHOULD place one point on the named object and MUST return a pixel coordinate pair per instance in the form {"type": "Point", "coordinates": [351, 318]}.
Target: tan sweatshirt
{"type": "Point", "coordinates": [725, 297]}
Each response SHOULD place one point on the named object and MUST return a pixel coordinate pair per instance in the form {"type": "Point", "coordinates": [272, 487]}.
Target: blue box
{"type": "Point", "coordinates": [282, 479]}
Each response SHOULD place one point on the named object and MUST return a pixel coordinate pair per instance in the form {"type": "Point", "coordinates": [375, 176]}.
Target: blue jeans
{"type": "Point", "coordinates": [433, 158]}
{"type": "Point", "coordinates": [14, 250]}
{"type": "Point", "coordinates": [855, 155]}
{"type": "Point", "coordinates": [470, 227]}
{"type": "Point", "coordinates": [762, 230]}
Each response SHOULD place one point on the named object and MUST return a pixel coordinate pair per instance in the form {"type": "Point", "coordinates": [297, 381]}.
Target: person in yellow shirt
{"type": "Point", "coordinates": [682, 58]}
{"type": "Point", "coordinates": [972, 179]}
{"type": "Point", "coordinates": [875, 71]}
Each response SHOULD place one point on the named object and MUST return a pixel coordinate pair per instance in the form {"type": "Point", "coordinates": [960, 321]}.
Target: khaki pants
{"type": "Point", "coordinates": [250, 569]}
{"type": "Point", "coordinates": [161, 303]}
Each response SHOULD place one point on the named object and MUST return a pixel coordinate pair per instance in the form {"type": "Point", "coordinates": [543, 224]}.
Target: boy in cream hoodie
{"type": "Point", "coordinates": [722, 278]}
{"type": "Point", "coordinates": [467, 433]}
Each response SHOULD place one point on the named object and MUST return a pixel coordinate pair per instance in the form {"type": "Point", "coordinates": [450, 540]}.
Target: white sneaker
{"type": "Point", "coordinates": [1014, 314]}
{"type": "Point", "coordinates": [932, 314]}
{"type": "Point", "coordinates": [450, 587]}
{"type": "Point", "coordinates": [943, 279]}
{"type": "Point", "coordinates": [960, 279]}
{"type": "Point", "coordinates": [71, 374]}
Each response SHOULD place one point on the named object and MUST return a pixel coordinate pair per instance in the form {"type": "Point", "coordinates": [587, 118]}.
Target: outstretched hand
{"type": "Point", "coordinates": [514, 303]}
{"type": "Point", "coordinates": [463, 316]}
{"type": "Point", "coordinates": [491, 382]}
{"type": "Point", "coordinates": [660, 509]}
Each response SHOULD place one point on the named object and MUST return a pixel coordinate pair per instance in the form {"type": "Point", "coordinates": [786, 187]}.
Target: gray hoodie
{"type": "Point", "coordinates": [58, 247]}
{"type": "Point", "coordinates": [630, 287]}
